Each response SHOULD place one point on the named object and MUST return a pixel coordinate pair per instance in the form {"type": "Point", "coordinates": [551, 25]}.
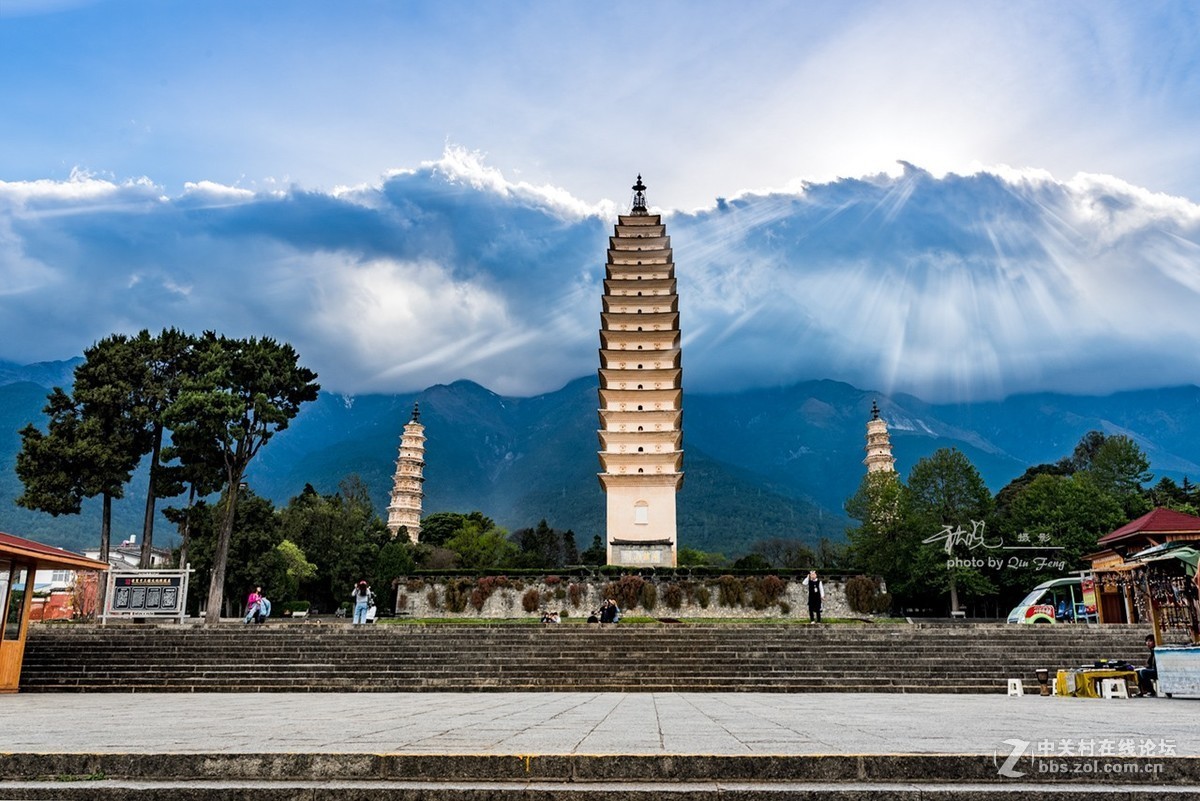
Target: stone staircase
{"type": "Point", "coordinates": [322, 657]}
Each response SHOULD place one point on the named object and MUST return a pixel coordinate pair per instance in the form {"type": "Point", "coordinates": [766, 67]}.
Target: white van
{"type": "Point", "coordinates": [1063, 600]}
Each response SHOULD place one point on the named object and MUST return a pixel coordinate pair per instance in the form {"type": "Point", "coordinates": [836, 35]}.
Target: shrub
{"type": "Point", "coordinates": [402, 601]}
{"type": "Point", "coordinates": [458, 594]}
{"type": "Point", "coordinates": [627, 591]}
{"type": "Point", "coordinates": [484, 589]}
{"type": "Point", "coordinates": [415, 585]}
{"type": "Point", "coordinates": [575, 593]}
{"type": "Point", "coordinates": [731, 590]}
{"type": "Point", "coordinates": [860, 591]}
{"type": "Point", "coordinates": [550, 581]}
{"type": "Point", "coordinates": [649, 596]}
{"type": "Point", "coordinates": [784, 608]}
{"type": "Point", "coordinates": [432, 598]}
{"type": "Point", "coordinates": [560, 593]}
{"type": "Point", "coordinates": [765, 590]}
{"type": "Point", "coordinates": [673, 595]}
{"type": "Point", "coordinates": [531, 601]}
{"type": "Point", "coordinates": [883, 603]}
{"type": "Point", "coordinates": [703, 596]}
{"type": "Point", "coordinates": [864, 597]}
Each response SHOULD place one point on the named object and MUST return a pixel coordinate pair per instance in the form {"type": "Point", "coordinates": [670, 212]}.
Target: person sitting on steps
{"type": "Point", "coordinates": [609, 611]}
{"type": "Point", "coordinates": [1147, 675]}
{"type": "Point", "coordinates": [252, 605]}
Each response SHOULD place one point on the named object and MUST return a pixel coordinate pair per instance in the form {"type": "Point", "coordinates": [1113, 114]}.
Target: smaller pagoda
{"type": "Point", "coordinates": [879, 444]}
{"type": "Point", "coordinates": [404, 511]}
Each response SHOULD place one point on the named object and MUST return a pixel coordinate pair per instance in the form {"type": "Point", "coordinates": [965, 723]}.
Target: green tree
{"type": "Point", "coordinates": [252, 556]}
{"type": "Point", "coordinates": [296, 568]}
{"type": "Point", "coordinates": [243, 393]}
{"type": "Point", "coordinates": [945, 494]}
{"type": "Point", "coordinates": [342, 535]}
{"type": "Point", "coordinates": [49, 464]}
{"type": "Point", "coordinates": [693, 557]}
{"type": "Point", "coordinates": [1068, 513]}
{"type": "Point", "coordinates": [596, 554]}
{"type": "Point", "coordinates": [876, 544]}
{"type": "Point", "coordinates": [439, 527]}
{"type": "Point", "coordinates": [201, 469]}
{"type": "Point", "coordinates": [544, 547]}
{"type": "Point", "coordinates": [92, 443]}
{"type": "Point", "coordinates": [482, 549]}
{"type": "Point", "coordinates": [396, 558]}
{"type": "Point", "coordinates": [570, 551]}
{"type": "Point", "coordinates": [1120, 468]}
{"type": "Point", "coordinates": [1012, 489]}
{"type": "Point", "coordinates": [782, 552]}
{"type": "Point", "coordinates": [161, 364]}
{"type": "Point", "coordinates": [752, 561]}
{"type": "Point", "coordinates": [1166, 493]}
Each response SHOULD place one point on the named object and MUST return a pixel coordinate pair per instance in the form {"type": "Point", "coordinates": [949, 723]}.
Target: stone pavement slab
{"type": "Point", "coordinates": [588, 723]}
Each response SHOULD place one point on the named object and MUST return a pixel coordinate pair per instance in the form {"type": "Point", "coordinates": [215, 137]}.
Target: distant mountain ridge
{"type": "Point", "coordinates": [759, 463]}
{"type": "Point", "coordinates": [46, 374]}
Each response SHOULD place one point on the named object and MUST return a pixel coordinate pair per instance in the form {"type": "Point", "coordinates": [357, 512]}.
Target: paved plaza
{"type": "Point", "coordinates": [582, 723]}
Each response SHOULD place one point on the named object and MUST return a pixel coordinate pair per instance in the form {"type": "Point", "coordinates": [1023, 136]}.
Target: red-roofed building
{"type": "Point", "coordinates": [1118, 577]}
{"type": "Point", "coordinates": [1154, 528]}
{"type": "Point", "coordinates": [19, 560]}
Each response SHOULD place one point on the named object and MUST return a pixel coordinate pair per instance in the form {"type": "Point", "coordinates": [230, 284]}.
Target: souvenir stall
{"type": "Point", "coordinates": [1169, 597]}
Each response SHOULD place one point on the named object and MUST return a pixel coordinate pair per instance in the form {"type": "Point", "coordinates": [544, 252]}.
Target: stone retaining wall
{"type": "Point", "coordinates": [500, 597]}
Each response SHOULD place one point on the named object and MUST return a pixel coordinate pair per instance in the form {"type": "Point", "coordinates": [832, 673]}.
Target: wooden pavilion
{"type": "Point", "coordinates": [20, 559]}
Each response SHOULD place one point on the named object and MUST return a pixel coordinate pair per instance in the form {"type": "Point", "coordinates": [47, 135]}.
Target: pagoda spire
{"type": "Point", "coordinates": [639, 198]}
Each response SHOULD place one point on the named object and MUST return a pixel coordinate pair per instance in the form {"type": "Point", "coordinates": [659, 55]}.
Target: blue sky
{"type": "Point", "coordinates": [419, 191]}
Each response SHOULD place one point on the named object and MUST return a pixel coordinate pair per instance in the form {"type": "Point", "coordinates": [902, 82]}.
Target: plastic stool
{"type": "Point", "coordinates": [1015, 687]}
{"type": "Point", "coordinates": [1114, 688]}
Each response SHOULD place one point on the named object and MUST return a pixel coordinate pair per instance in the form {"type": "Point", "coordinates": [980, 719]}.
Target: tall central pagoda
{"type": "Point", "coordinates": [641, 395]}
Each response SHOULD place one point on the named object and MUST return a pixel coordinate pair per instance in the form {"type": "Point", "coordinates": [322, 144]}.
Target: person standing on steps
{"type": "Point", "coordinates": [364, 599]}
{"type": "Point", "coordinates": [816, 595]}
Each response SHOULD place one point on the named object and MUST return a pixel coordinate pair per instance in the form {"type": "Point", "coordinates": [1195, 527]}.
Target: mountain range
{"type": "Point", "coordinates": [775, 462]}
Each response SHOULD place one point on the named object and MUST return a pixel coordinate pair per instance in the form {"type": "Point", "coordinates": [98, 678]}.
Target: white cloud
{"type": "Point", "coordinates": [212, 192]}
{"type": "Point", "coordinates": [82, 189]}
{"type": "Point", "coordinates": [959, 286]}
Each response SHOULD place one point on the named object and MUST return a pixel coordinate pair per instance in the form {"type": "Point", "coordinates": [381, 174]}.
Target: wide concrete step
{"type": "Point", "coordinates": [292, 790]}
{"type": "Point", "coordinates": [433, 777]}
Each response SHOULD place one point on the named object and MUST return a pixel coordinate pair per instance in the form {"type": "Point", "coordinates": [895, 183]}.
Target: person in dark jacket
{"type": "Point", "coordinates": [816, 595]}
{"type": "Point", "coordinates": [609, 611]}
{"type": "Point", "coordinates": [1148, 674]}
